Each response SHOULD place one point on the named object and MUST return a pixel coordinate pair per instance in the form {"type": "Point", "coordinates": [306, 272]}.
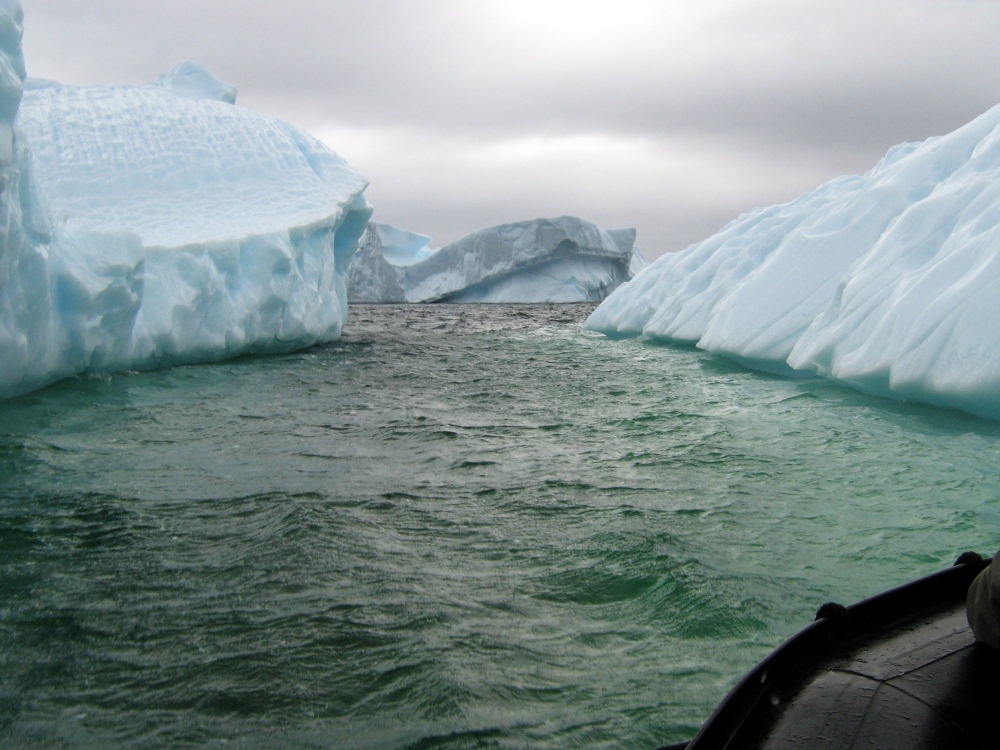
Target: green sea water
{"type": "Point", "coordinates": [457, 527]}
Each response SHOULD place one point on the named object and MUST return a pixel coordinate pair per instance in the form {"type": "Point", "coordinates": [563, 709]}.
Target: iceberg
{"type": "Point", "coordinates": [159, 224]}
{"type": "Point", "coordinates": [544, 260]}
{"type": "Point", "coordinates": [887, 282]}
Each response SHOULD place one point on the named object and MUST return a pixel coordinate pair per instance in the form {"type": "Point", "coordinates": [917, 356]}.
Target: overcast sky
{"type": "Point", "coordinates": [672, 116]}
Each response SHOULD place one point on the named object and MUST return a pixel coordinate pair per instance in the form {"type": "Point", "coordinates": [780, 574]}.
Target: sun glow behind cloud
{"type": "Point", "coordinates": [579, 20]}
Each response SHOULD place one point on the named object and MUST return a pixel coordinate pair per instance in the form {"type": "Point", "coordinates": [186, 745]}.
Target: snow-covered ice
{"type": "Point", "coordinates": [159, 224]}
{"type": "Point", "coordinates": [544, 260]}
{"type": "Point", "coordinates": [887, 282]}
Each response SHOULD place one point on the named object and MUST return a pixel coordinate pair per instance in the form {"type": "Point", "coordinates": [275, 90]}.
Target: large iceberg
{"type": "Point", "coordinates": [544, 260]}
{"type": "Point", "coordinates": [158, 224]}
{"type": "Point", "coordinates": [887, 282]}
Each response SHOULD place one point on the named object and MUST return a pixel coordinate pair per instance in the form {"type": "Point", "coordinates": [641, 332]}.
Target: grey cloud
{"type": "Point", "coordinates": [838, 73]}
{"type": "Point", "coordinates": [812, 89]}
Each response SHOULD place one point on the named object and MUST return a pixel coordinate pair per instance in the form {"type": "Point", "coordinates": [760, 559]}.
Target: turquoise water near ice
{"type": "Point", "coordinates": [457, 527]}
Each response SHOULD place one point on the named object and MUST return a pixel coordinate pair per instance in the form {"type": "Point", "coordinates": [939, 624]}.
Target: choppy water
{"type": "Point", "coordinates": [457, 527]}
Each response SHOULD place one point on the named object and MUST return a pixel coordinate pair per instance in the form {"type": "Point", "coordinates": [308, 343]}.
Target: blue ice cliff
{"type": "Point", "coordinates": [887, 282]}
{"type": "Point", "coordinates": [544, 260]}
{"type": "Point", "coordinates": [152, 225]}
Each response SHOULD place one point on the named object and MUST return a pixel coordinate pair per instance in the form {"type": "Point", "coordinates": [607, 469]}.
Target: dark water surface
{"type": "Point", "coordinates": [457, 527]}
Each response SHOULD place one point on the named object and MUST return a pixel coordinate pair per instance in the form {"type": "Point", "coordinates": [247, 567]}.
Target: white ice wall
{"type": "Point", "coordinates": [565, 259]}
{"type": "Point", "coordinates": [887, 282]}
{"type": "Point", "coordinates": [153, 225]}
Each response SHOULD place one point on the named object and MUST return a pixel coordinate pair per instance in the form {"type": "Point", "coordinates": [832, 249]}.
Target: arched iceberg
{"type": "Point", "coordinates": [887, 282]}
{"type": "Point", "coordinates": [159, 224]}
{"type": "Point", "coordinates": [544, 260]}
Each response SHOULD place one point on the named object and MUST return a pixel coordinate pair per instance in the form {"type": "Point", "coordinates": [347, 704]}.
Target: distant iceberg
{"type": "Point", "coordinates": [887, 282]}
{"type": "Point", "coordinates": [545, 260]}
{"type": "Point", "coordinates": [159, 224]}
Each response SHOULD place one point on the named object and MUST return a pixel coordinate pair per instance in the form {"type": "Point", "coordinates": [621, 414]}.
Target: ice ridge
{"type": "Point", "coordinates": [160, 224]}
{"type": "Point", "coordinates": [564, 259]}
{"type": "Point", "coordinates": [887, 282]}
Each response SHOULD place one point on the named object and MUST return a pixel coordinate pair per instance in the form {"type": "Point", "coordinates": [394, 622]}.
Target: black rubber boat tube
{"type": "Point", "coordinates": [833, 625]}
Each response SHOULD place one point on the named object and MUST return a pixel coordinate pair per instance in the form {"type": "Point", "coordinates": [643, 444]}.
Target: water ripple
{"type": "Point", "coordinates": [456, 527]}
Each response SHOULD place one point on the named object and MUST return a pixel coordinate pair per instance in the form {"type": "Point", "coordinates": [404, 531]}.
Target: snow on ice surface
{"type": "Point", "coordinates": [544, 260]}
{"type": "Point", "coordinates": [887, 282]}
{"type": "Point", "coordinates": [152, 225]}
{"type": "Point", "coordinates": [176, 169]}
